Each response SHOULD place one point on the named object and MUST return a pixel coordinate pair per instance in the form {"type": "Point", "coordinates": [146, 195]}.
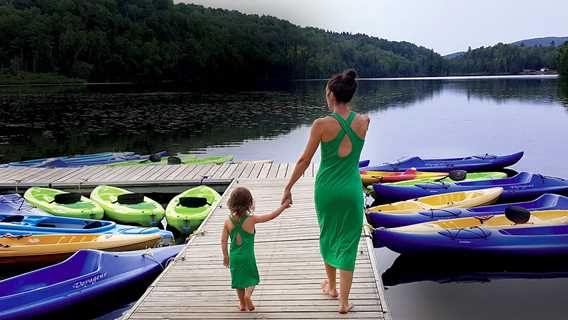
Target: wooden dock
{"type": "Point", "coordinates": [197, 286]}
{"type": "Point", "coordinates": [169, 178]}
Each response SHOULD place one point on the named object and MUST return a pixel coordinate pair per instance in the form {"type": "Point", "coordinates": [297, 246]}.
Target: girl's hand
{"type": "Point", "coordinates": [286, 198]}
{"type": "Point", "coordinates": [286, 204]}
{"type": "Point", "coordinates": [226, 261]}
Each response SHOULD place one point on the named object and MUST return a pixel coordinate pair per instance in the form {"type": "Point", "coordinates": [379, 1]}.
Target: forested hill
{"type": "Point", "coordinates": [563, 61]}
{"type": "Point", "coordinates": [504, 59]}
{"type": "Point", "coordinates": [543, 42]}
{"type": "Point", "coordinates": [155, 40]}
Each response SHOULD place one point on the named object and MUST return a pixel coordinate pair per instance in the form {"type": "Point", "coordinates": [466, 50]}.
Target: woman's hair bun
{"type": "Point", "coordinates": [343, 85]}
{"type": "Point", "coordinates": [349, 74]}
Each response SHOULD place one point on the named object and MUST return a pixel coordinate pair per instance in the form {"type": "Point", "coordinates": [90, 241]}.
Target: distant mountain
{"type": "Point", "coordinates": [454, 55]}
{"type": "Point", "coordinates": [544, 42]}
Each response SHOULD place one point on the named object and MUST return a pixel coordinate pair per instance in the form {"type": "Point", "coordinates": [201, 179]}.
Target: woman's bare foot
{"type": "Point", "coordinates": [242, 307]}
{"type": "Point", "coordinates": [325, 289]}
{"type": "Point", "coordinates": [345, 309]}
{"type": "Point", "coordinates": [250, 305]}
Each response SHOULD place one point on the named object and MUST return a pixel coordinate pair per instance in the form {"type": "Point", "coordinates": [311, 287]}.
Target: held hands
{"type": "Point", "coordinates": [286, 203]}
{"type": "Point", "coordinates": [286, 198]}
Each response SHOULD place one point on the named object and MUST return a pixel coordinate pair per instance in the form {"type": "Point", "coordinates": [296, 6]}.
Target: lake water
{"type": "Point", "coordinates": [426, 117]}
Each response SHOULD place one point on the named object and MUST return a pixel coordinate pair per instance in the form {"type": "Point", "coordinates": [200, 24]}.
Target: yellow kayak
{"type": "Point", "coordinates": [47, 249]}
{"type": "Point", "coordinates": [463, 199]}
{"type": "Point", "coordinates": [537, 218]}
{"type": "Point", "coordinates": [370, 177]}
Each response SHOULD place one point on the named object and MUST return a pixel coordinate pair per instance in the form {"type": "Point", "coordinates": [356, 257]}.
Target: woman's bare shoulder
{"type": "Point", "coordinates": [363, 117]}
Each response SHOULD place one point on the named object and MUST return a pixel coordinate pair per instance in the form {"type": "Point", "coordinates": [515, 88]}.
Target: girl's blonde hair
{"type": "Point", "coordinates": [240, 201]}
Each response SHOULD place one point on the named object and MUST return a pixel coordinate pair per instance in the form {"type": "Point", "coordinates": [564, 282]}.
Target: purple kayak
{"type": "Point", "coordinates": [392, 220]}
{"type": "Point", "coordinates": [85, 276]}
{"type": "Point", "coordinates": [521, 186]}
{"type": "Point", "coordinates": [479, 163]}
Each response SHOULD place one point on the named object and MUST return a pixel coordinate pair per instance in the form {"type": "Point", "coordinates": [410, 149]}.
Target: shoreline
{"type": "Point", "coordinates": [521, 76]}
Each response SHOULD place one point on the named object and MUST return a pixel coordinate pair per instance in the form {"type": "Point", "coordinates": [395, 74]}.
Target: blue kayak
{"type": "Point", "coordinates": [16, 204]}
{"type": "Point", "coordinates": [471, 164]}
{"type": "Point", "coordinates": [521, 186]}
{"type": "Point", "coordinates": [82, 160]}
{"type": "Point", "coordinates": [11, 224]}
{"type": "Point", "coordinates": [391, 220]}
{"type": "Point", "coordinates": [84, 277]}
{"type": "Point", "coordinates": [546, 233]}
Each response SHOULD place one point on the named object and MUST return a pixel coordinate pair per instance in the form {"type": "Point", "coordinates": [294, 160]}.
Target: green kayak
{"type": "Point", "coordinates": [127, 207]}
{"type": "Point", "coordinates": [474, 176]}
{"type": "Point", "coordinates": [186, 211]}
{"type": "Point", "coordinates": [64, 204]}
{"type": "Point", "coordinates": [179, 159]}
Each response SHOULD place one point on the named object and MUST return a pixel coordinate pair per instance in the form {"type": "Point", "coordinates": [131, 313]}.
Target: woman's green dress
{"type": "Point", "coordinates": [339, 198]}
{"type": "Point", "coordinates": [242, 261]}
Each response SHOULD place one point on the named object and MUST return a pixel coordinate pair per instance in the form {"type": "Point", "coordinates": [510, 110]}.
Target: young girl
{"type": "Point", "coordinates": [240, 228]}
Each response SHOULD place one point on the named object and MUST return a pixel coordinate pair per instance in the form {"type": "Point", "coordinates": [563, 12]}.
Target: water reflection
{"type": "Point", "coordinates": [91, 120]}
{"type": "Point", "coordinates": [50, 121]}
{"type": "Point", "coordinates": [449, 269]}
{"type": "Point", "coordinates": [535, 90]}
{"type": "Point", "coordinates": [563, 92]}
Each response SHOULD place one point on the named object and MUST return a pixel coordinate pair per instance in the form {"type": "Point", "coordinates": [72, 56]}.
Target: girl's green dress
{"type": "Point", "coordinates": [339, 199]}
{"type": "Point", "coordinates": [242, 261]}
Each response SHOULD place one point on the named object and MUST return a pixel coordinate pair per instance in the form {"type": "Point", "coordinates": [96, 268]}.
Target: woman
{"type": "Point", "coordinates": [338, 196]}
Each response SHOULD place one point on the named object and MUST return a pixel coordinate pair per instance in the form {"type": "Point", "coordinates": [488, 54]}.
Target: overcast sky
{"type": "Point", "coordinates": [444, 25]}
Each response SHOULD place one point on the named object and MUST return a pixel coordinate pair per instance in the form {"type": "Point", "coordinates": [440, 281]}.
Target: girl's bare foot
{"type": "Point", "coordinates": [345, 309]}
{"type": "Point", "coordinates": [325, 289]}
{"type": "Point", "coordinates": [242, 307]}
{"type": "Point", "coordinates": [250, 305]}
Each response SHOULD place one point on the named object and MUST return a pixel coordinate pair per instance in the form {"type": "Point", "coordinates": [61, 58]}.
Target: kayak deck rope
{"type": "Point", "coordinates": [149, 253]}
{"type": "Point", "coordinates": [455, 214]}
{"type": "Point", "coordinates": [14, 236]}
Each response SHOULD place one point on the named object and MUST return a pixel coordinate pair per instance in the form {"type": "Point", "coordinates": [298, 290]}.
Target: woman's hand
{"type": "Point", "coordinates": [226, 261]}
{"type": "Point", "coordinates": [286, 197]}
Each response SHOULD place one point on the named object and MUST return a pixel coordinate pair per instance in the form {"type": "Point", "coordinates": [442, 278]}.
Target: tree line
{"type": "Point", "coordinates": [157, 40]}
{"type": "Point", "coordinates": [563, 60]}
{"type": "Point", "coordinates": [132, 40]}
{"type": "Point", "coordinates": [505, 59]}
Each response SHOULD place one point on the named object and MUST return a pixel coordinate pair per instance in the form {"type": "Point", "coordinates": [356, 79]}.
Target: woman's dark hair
{"type": "Point", "coordinates": [240, 202]}
{"type": "Point", "coordinates": [343, 85]}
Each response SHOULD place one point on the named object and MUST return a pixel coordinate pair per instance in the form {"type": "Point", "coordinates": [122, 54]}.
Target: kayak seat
{"type": "Point", "coordinates": [174, 160]}
{"type": "Point", "coordinates": [193, 202]}
{"type": "Point", "coordinates": [14, 218]}
{"type": "Point", "coordinates": [130, 198]}
{"type": "Point", "coordinates": [93, 225]}
{"type": "Point", "coordinates": [67, 198]}
{"type": "Point", "coordinates": [155, 157]}
{"type": "Point", "coordinates": [45, 225]}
